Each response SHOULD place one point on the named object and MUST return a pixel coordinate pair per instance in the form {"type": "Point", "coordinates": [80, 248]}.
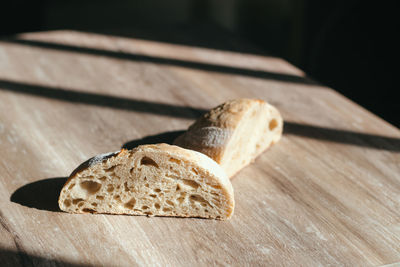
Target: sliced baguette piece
{"type": "Point", "coordinates": [234, 133]}
{"type": "Point", "coordinates": [153, 180]}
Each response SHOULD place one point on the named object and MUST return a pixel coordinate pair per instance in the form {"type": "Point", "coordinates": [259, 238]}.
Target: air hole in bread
{"type": "Point", "coordinates": [90, 186]}
{"type": "Point", "coordinates": [157, 190]}
{"type": "Point", "coordinates": [94, 204]}
{"type": "Point", "coordinates": [80, 204]}
{"type": "Point", "coordinates": [88, 210]}
{"type": "Point", "coordinates": [200, 199]}
{"type": "Point", "coordinates": [126, 188]}
{"type": "Point", "coordinates": [178, 188]}
{"type": "Point", "coordinates": [153, 196]}
{"type": "Point", "coordinates": [102, 178]}
{"type": "Point", "coordinates": [157, 206]}
{"type": "Point", "coordinates": [169, 202]}
{"type": "Point", "coordinates": [147, 185]}
{"type": "Point", "coordinates": [215, 186]}
{"type": "Point", "coordinates": [273, 124]}
{"type": "Point", "coordinates": [110, 188]}
{"type": "Point", "coordinates": [181, 199]}
{"type": "Point", "coordinates": [130, 204]}
{"type": "Point", "coordinates": [99, 197]}
{"type": "Point", "coordinates": [171, 176]}
{"type": "Point", "coordinates": [67, 202]}
{"type": "Point", "coordinates": [148, 213]}
{"type": "Point", "coordinates": [111, 169]}
{"type": "Point", "coordinates": [166, 209]}
{"type": "Point", "coordinates": [76, 200]}
{"type": "Point", "coordinates": [145, 207]}
{"type": "Point", "coordinates": [191, 183]}
{"type": "Point", "coordinates": [195, 171]}
{"type": "Point", "coordinates": [117, 197]}
{"type": "Point", "coordinates": [177, 161]}
{"type": "Point", "coordinates": [148, 161]}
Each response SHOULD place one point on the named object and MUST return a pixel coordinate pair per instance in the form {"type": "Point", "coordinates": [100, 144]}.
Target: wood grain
{"type": "Point", "coordinates": [327, 194]}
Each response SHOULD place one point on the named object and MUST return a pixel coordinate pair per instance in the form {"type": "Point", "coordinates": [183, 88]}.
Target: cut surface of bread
{"type": "Point", "coordinates": [153, 180]}
{"type": "Point", "coordinates": [234, 133]}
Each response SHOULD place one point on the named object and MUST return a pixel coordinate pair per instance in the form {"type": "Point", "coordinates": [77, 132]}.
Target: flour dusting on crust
{"type": "Point", "coordinates": [99, 158]}
{"type": "Point", "coordinates": [92, 161]}
{"type": "Point", "coordinates": [207, 137]}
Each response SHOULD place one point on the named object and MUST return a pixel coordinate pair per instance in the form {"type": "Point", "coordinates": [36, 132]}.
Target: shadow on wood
{"type": "Point", "coordinates": [198, 35]}
{"type": "Point", "coordinates": [343, 136]}
{"type": "Point", "coordinates": [304, 130]}
{"type": "Point", "coordinates": [167, 137]}
{"type": "Point", "coordinates": [21, 258]}
{"type": "Point", "coordinates": [291, 128]}
{"type": "Point", "coordinates": [168, 61]}
{"type": "Point", "coordinates": [41, 195]}
{"type": "Point", "coordinates": [101, 100]}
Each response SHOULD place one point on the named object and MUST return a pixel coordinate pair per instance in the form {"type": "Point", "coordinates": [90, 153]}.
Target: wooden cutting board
{"type": "Point", "coordinates": [327, 194]}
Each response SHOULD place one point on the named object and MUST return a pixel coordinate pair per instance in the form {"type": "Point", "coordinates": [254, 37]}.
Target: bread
{"type": "Point", "coordinates": [234, 133]}
{"type": "Point", "coordinates": [153, 180]}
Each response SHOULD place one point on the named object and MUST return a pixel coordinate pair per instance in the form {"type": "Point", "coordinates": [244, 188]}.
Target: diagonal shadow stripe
{"type": "Point", "coordinates": [19, 257]}
{"type": "Point", "coordinates": [343, 136]}
{"type": "Point", "coordinates": [167, 61]}
{"type": "Point", "coordinates": [291, 128]}
{"type": "Point", "coordinates": [101, 100]}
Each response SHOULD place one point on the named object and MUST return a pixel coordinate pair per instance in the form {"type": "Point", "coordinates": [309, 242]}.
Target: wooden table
{"type": "Point", "coordinates": [327, 194]}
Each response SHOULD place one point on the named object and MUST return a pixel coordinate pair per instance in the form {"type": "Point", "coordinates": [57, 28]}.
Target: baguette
{"type": "Point", "coordinates": [153, 180]}
{"type": "Point", "coordinates": [234, 133]}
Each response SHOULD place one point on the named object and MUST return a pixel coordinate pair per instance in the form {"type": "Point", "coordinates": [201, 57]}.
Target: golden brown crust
{"type": "Point", "coordinates": [226, 115]}
{"type": "Point", "coordinates": [251, 124]}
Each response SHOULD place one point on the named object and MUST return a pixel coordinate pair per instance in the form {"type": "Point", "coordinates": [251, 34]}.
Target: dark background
{"type": "Point", "coordinates": [348, 45]}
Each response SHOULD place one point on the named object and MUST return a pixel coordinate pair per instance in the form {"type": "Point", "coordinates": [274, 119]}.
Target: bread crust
{"type": "Point", "coordinates": [216, 132]}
